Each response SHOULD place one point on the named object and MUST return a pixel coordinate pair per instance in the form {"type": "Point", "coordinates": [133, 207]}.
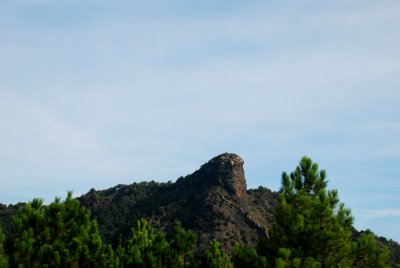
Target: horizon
{"type": "Point", "coordinates": [95, 94]}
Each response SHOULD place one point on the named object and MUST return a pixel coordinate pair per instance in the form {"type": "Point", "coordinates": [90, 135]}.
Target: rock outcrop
{"type": "Point", "coordinates": [226, 171]}
{"type": "Point", "coordinates": [213, 202]}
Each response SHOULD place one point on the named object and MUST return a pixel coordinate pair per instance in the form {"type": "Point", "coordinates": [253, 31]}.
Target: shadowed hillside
{"type": "Point", "coordinates": [213, 202]}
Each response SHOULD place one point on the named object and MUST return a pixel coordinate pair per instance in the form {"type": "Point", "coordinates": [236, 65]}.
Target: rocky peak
{"type": "Point", "coordinates": [226, 170]}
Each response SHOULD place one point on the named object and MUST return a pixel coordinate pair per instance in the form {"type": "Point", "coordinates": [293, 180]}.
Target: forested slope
{"type": "Point", "coordinates": [213, 202]}
{"type": "Point", "coordinates": [206, 219]}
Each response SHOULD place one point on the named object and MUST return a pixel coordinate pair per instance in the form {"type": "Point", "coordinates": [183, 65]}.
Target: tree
{"type": "Point", "coordinates": [312, 229]}
{"type": "Point", "coordinates": [3, 257]}
{"type": "Point", "coordinates": [247, 257]}
{"type": "Point", "coordinates": [145, 247]}
{"type": "Point", "coordinates": [215, 257]}
{"type": "Point", "coordinates": [58, 235]}
{"type": "Point", "coordinates": [182, 246]}
{"type": "Point", "coordinates": [309, 221]}
{"type": "Point", "coordinates": [367, 253]}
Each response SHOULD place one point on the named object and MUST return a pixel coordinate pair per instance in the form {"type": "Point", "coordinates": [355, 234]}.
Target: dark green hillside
{"type": "Point", "coordinates": [7, 212]}
{"type": "Point", "coordinates": [222, 224]}
{"type": "Point", "coordinates": [213, 202]}
{"type": "Point", "coordinates": [392, 245]}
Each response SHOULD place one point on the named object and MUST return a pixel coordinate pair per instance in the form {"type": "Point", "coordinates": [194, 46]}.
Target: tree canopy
{"type": "Point", "coordinates": [311, 229]}
{"type": "Point", "coordinates": [58, 235]}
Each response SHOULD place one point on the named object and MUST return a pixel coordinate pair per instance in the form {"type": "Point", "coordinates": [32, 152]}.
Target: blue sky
{"type": "Point", "coordinates": [97, 93]}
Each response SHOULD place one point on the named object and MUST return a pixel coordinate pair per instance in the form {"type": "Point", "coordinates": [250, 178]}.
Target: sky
{"type": "Point", "coordinates": [100, 93]}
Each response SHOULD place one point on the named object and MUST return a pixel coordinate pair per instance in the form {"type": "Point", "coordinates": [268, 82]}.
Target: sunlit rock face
{"type": "Point", "coordinates": [226, 170]}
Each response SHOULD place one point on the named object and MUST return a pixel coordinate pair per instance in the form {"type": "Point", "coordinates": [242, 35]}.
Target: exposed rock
{"type": "Point", "coordinates": [225, 170]}
{"type": "Point", "coordinates": [213, 202]}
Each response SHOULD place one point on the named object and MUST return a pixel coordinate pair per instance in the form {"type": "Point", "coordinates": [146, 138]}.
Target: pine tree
{"type": "Point", "coordinates": [215, 257]}
{"type": "Point", "coordinates": [312, 229]}
{"type": "Point", "coordinates": [58, 235]}
{"type": "Point", "coordinates": [182, 246]}
{"type": "Point", "coordinates": [146, 247]}
{"type": "Point", "coordinates": [3, 257]}
{"type": "Point", "coordinates": [247, 257]}
{"type": "Point", "coordinates": [310, 222]}
{"type": "Point", "coordinates": [367, 253]}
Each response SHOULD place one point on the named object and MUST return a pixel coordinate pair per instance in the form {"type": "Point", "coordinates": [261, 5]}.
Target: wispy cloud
{"type": "Point", "coordinates": [102, 92]}
{"type": "Point", "coordinates": [380, 213]}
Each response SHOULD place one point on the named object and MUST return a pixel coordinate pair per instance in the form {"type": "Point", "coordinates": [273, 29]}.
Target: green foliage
{"type": "Point", "coordinates": [7, 212]}
{"type": "Point", "coordinates": [58, 235]}
{"type": "Point", "coordinates": [313, 229]}
{"type": "Point", "coordinates": [215, 257]}
{"type": "Point", "coordinates": [309, 222]}
{"type": "Point", "coordinates": [284, 259]}
{"type": "Point", "coordinates": [247, 257]}
{"type": "Point", "coordinates": [394, 249]}
{"type": "Point", "coordinates": [182, 246]}
{"type": "Point", "coordinates": [62, 235]}
{"type": "Point", "coordinates": [197, 200]}
{"type": "Point", "coordinates": [3, 257]}
{"type": "Point", "coordinates": [145, 248]}
{"type": "Point", "coordinates": [367, 253]}
{"type": "Point", "coordinates": [148, 247]}
{"type": "Point", "coordinates": [118, 208]}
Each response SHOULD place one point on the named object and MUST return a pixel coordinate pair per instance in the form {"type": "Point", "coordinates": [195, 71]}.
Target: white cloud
{"type": "Point", "coordinates": [379, 213]}
{"type": "Point", "coordinates": [102, 92]}
{"type": "Point", "coordinates": [32, 126]}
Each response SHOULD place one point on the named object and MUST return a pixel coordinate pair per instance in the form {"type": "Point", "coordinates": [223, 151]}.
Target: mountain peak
{"type": "Point", "coordinates": [226, 170]}
{"type": "Point", "coordinates": [233, 159]}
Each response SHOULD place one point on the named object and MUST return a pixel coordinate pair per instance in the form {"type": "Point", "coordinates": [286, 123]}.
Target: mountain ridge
{"type": "Point", "coordinates": [213, 201]}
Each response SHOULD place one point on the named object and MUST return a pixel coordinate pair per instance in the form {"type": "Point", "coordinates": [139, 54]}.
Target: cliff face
{"type": "Point", "coordinates": [226, 171]}
{"type": "Point", "coordinates": [213, 202]}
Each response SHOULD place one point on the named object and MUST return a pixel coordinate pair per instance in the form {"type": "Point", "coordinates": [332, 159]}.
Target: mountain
{"type": "Point", "coordinates": [213, 202]}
